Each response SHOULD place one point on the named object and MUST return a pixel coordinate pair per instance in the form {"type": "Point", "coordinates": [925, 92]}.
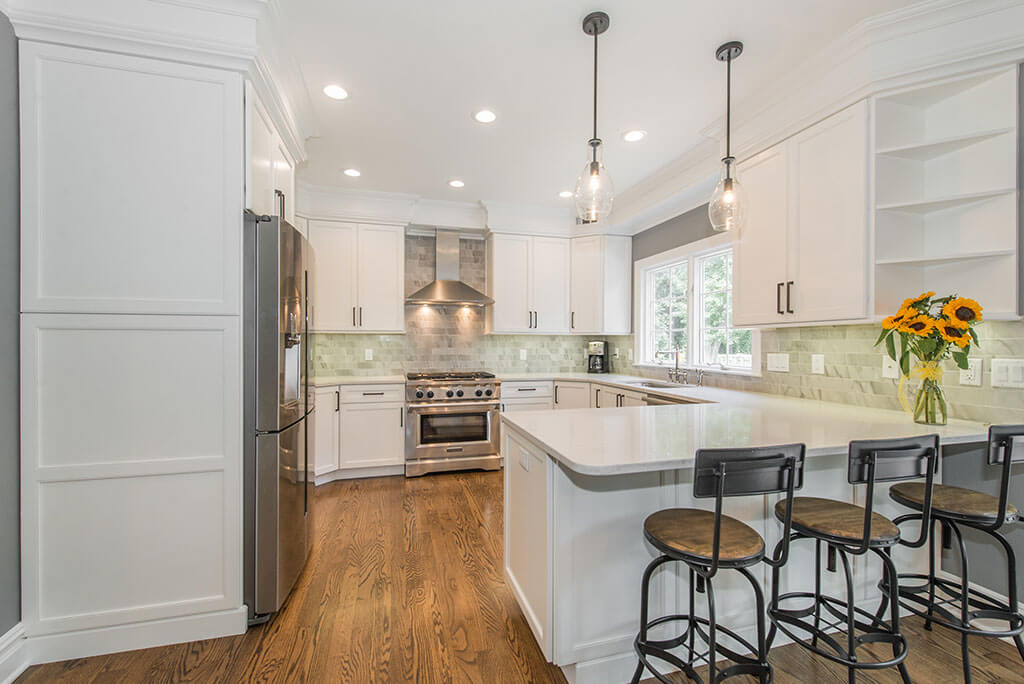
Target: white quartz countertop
{"type": "Point", "coordinates": [333, 380]}
{"type": "Point", "coordinates": [651, 438]}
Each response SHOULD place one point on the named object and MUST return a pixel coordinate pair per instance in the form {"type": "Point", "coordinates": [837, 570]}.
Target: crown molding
{"type": "Point", "coordinates": [448, 214]}
{"type": "Point", "coordinates": [320, 201]}
{"type": "Point", "coordinates": [908, 47]}
{"type": "Point", "coordinates": [525, 219]}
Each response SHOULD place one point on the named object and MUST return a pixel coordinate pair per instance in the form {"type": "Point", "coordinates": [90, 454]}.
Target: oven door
{"type": "Point", "coordinates": [452, 430]}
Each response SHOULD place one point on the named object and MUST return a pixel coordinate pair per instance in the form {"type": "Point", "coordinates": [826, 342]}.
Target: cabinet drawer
{"type": "Point", "coordinates": [372, 394]}
{"type": "Point", "coordinates": [526, 390]}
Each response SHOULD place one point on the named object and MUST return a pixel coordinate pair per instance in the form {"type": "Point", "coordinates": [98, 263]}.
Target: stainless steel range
{"type": "Point", "coordinates": [452, 422]}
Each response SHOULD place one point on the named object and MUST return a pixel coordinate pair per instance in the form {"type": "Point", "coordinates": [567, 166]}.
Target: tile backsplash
{"type": "Point", "coordinates": [453, 338]}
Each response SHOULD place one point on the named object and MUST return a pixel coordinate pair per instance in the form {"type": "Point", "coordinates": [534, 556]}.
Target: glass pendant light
{"type": "Point", "coordinates": [726, 209]}
{"type": "Point", "coordinates": [594, 191]}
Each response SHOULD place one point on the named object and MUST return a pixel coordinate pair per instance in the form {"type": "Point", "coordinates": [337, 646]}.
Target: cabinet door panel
{"type": "Point", "coordinates": [587, 285]}
{"type": "Point", "coordinates": [510, 283]}
{"type": "Point", "coordinates": [334, 279]}
{"type": "Point", "coordinates": [549, 276]}
{"type": "Point", "coordinates": [372, 435]}
{"type": "Point", "coordinates": [325, 436]}
{"type": "Point", "coordinates": [828, 241]}
{"type": "Point", "coordinates": [572, 395]}
{"type": "Point", "coordinates": [759, 258]}
{"type": "Point", "coordinates": [381, 289]}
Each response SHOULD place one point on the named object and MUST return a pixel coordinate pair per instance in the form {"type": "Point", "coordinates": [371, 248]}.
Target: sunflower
{"type": "Point", "coordinates": [955, 322]}
{"type": "Point", "coordinates": [962, 309]}
{"type": "Point", "coordinates": [913, 302]}
{"type": "Point", "coordinates": [893, 322]}
{"type": "Point", "coordinates": [920, 325]}
{"type": "Point", "coordinates": [952, 332]}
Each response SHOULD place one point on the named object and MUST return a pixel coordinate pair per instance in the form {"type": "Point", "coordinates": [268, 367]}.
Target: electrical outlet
{"type": "Point", "coordinates": [778, 363]}
{"type": "Point", "coordinates": [889, 368]}
{"type": "Point", "coordinates": [615, 353]}
{"type": "Point", "coordinates": [1008, 373]}
{"type": "Point", "coordinates": [522, 354]}
{"type": "Point", "coordinates": [971, 376]}
{"type": "Point", "coordinates": [368, 354]}
{"type": "Point", "coordinates": [818, 364]}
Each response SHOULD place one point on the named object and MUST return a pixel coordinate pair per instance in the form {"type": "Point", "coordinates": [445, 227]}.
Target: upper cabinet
{"type": "Point", "coordinates": [359, 277]}
{"type": "Point", "coordinates": [946, 193]}
{"type": "Point", "coordinates": [600, 285]}
{"type": "Point", "coordinates": [270, 168]}
{"type": "Point", "coordinates": [802, 256]}
{"type": "Point", "coordinates": [528, 278]}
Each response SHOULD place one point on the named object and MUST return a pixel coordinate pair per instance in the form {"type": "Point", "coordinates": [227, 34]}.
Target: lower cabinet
{"type": "Point", "coordinates": [359, 433]}
{"type": "Point", "coordinates": [570, 395]}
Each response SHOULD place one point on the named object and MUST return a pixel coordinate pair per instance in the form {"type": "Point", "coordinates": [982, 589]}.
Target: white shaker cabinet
{"type": "Point", "coordinates": [528, 279]}
{"type": "Point", "coordinates": [600, 284]}
{"type": "Point", "coordinates": [270, 167]}
{"type": "Point", "coordinates": [802, 255]}
{"type": "Point", "coordinates": [372, 435]}
{"type": "Point", "coordinates": [572, 395]}
{"type": "Point", "coordinates": [326, 435]}
{"type": "Point", "coordinates": [359, 279]}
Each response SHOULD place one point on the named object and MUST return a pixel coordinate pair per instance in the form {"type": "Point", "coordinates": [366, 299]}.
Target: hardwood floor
{"type": "Point", "coordinates": [404, 584]}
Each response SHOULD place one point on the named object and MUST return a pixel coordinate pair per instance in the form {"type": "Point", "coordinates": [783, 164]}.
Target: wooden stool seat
{"type": "Point", "coordinates": [955, 502]}
{"type": "Point", "coordinates": [690, 533]}
{"type": "Point", "coordinates": [838, 519]}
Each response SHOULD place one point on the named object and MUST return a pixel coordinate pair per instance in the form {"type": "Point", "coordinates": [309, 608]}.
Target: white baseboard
{"type": "Point", "coordinates": [14, 655]}
{"type": "Point", "coordinates": [50, 648]}
{"type": "Point", "coordinates": [354, 473]}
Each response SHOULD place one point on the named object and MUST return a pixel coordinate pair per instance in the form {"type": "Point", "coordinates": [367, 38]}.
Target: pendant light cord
{"type": "Point", "coordinates": [728, 112]}
{"type": "Point", "coordinates": [594, 147]}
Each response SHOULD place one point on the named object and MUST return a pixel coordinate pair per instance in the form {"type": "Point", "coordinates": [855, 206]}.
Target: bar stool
{"type": "Point", "coordinates": [847, 529]}
{"type": "Point", "coordinates": [707, 541]}
{"type": "Point", "coordinates": [953, 507]}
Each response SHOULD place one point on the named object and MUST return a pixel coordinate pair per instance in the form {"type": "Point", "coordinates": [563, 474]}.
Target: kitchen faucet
{"type": "Point", "coordinates": [676, 374]}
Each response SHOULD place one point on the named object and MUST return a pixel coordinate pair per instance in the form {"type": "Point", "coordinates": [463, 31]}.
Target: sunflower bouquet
{"type": "Point", "coordinates": [930, 329]}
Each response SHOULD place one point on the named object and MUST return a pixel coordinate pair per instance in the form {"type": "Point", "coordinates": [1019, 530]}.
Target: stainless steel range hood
{"type": "Point", "coordinates": [447, 288]}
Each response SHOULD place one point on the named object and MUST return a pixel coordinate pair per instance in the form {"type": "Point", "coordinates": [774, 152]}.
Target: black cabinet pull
{"type": "Point", "coordinates": [337, 401]}
{"type": "Point", "coordinates": [778, 298]}
{"type": "Point", "coordinates": [556, 394]}
{"type": "Point", "coordinates": [789, 297]}
{"type": "Point", "coordinates": [526, 389]}
{"type": "Point", "coordinates": [360, 317]}
{"type": "Point", "coordinates": [401, 416]}
{"type": "Point", "coordinates": [373, 394]}
{"type": "Point", "coordinates": [597, 398]}
{"type": "Point", "coordinates": [572, 320]}
{"type": "Point", "coordinates": [353, 316]}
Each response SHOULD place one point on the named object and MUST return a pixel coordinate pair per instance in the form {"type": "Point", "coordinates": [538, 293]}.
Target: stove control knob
{"type": "Point", "coordinates": [430, 394]}
{"type": "Point", "coordinates": [419, 394]}
{"type": "Point", "coordinates": [488, 391]}
{"type": "Point", "coordinates": [459, 393]}
{"type": "Point", "coordinates": [449, 393]}
{"type": "Point", "coordinates": [479, 393]}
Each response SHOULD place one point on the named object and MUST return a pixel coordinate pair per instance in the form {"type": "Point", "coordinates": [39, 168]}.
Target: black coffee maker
{"type": "Point", "coordinates": [597, 357]}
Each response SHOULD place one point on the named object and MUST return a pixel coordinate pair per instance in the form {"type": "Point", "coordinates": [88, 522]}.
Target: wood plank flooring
{"type": "Point", "coordinates": [404, 584]}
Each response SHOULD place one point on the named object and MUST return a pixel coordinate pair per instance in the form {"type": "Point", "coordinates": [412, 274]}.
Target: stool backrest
{"type": "Point", "coordinates": [890, 460]}
{"type": "Point", "coordinates": [721, 473]}
{"type": "Point", "coordinates": [1005, 447]}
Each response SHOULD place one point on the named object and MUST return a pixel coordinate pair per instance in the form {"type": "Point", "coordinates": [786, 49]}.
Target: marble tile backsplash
{"type": "Point", "coordinates": [453, 338]}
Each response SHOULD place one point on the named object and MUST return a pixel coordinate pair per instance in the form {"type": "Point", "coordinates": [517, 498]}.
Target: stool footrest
{"type": "Point", "coordinates": [743, 665]}
{"type": "Point", "coordinates": [981, 606]}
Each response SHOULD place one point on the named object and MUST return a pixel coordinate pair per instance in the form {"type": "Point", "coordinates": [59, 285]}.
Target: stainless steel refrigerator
{"type": "Point", "coordinates": [278, 413]}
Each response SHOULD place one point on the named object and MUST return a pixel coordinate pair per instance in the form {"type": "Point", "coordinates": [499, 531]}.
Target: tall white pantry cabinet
{"type": "Point", "coordinates": [133, 190]}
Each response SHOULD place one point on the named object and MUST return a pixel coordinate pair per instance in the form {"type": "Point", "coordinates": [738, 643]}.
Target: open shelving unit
{"type": "Point", "coordinates": [946, 193]}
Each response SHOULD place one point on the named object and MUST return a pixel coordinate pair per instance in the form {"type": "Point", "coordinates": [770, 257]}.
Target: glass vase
{"type": "Point", "coordinates": [930, 404]}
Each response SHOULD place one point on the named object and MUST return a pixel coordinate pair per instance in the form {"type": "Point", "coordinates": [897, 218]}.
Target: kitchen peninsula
{"type": "Point", "coordinates": [579, 483]}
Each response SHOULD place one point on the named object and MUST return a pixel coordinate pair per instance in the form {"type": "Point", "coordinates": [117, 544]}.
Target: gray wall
{"type": "Point", "coordinates": [10, 582]}
{"type": "Point", "coordinates": [676, 232]}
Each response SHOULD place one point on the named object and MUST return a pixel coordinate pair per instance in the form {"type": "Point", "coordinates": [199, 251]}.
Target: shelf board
{"type": "Point", "coordinates": [943, 258]}
{"type": "Point", "coordinates": [927, 206]}
{"type": "Point", "coordinates": [936, 148]}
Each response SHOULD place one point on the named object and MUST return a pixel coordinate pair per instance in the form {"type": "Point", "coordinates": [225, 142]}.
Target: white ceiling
{"type": "Point", "coordinates": [417, 70]}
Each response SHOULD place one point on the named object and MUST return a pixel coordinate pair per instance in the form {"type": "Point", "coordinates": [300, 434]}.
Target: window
{"type": "Point", "coordinates": [684, 305]}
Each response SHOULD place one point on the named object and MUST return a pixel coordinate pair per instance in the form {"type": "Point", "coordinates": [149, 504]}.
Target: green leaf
{"type": "Point", "coordinates": [890, 347]}
{"type": "Point", "coordinates": [882, 337]}
{"type": "Point", "coordinates": [974, 335]}
{"type": "Point", "coordinates": [905, 364]}
{"type": "Point", "coordinates": [903, 345]}
{"type": "Point", "coordinates": [961, 359]}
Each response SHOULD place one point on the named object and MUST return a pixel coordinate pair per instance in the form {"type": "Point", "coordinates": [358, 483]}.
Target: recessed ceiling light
{"type": "Point", "coordinates": [456, 183]}
{"type": "Point", "coordinates": [565, 194]}
{"type": "Point", "coordinates": [335, 92]}
{"type": "Point", "coordinates": [636, 135]}
{"type": "Point", "coordinates": [485, 116]}
{"type": "Point", "coordinates": [353, 173]}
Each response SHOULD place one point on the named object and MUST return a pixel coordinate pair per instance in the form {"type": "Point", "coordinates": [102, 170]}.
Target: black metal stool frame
{"type": "Point", "coordinates": [972, 603]}
{"type": "Point", "coordinates": [870, 461]}
{"type": "Point", "coordinates": [720, 473]}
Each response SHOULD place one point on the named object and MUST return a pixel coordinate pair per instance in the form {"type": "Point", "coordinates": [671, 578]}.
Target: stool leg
{"type": "Point", "coordinates": [1011, 571]}
{"type": "Point", "coordinates": [889, 568]}
{"type": "Point", "coordinates": [886, 591]}
{"type": "Point", "coordinates": [693, 594]}
{"type": "Point", "coordinates": [644, 592]}
{"type": "Point", "coordinates": [712, 641]}
{"type": "Point", "coordinates": [964, 601]}
{"type": "Point", "coordinates": [931, 576]}
{"type": "Point", "coordinates": [851, 617]}
{"type": "Point", "coordinates": [817, 591]}
{"type": "Point", "coordinates": [775, 594]}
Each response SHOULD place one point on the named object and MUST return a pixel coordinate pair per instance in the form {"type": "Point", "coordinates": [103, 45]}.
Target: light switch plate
{"type": "Point", "coordinates": [368, 354]}
{"type": "Point", "coordinates": [522, 354]}
{"type": "Point", "coordinates": [971, 376]}
{"type": "Point", "coordinates": [778, 363]}
{"type": "Point", "coordinates": [818, 364]}
{"type": "Point", "coordinates": [889, 368]}
{"type": "Point", "coordinates": [1008, 373]}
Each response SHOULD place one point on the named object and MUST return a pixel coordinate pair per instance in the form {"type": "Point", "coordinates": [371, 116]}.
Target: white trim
{"type": "Point", "coordinates": [359, 473]}
{"type": "Point", "coordinates": [14, 656]}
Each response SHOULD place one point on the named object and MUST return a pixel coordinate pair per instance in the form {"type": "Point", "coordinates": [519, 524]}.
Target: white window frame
{"type": "Point", "coordinates": [690, 253]}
